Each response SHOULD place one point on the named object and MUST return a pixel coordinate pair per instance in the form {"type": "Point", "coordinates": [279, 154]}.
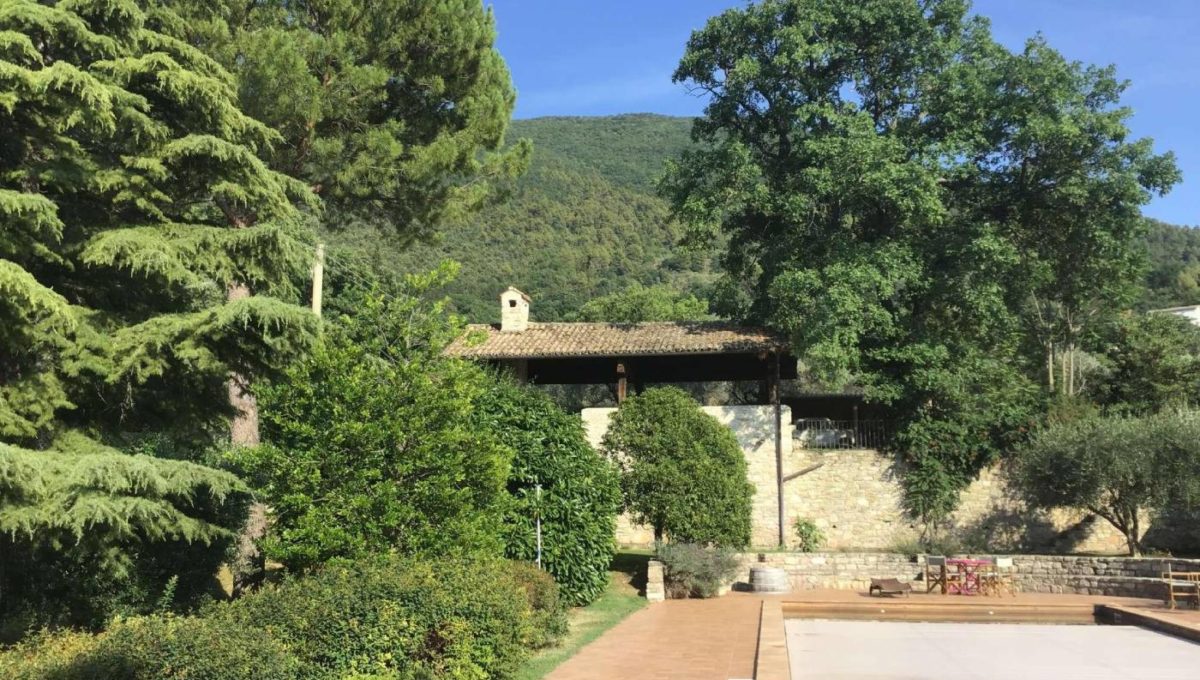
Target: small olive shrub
{"type": "Point", "coordinates": [691, 570]}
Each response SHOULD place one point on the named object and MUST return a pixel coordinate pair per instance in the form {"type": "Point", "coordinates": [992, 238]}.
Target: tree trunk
{"type": "Point", "coordinates": [1133, 544]}
{"type": "Point", "coordinates": [243, 430]}
{"type": "Point", "coordinates": [1050, 366]}
{"type": "Point", "coordinates": [1063, 366]}
{"type": "Point", "coordinates": [1134, 537]}
{"type": "Point", "coordinates": [248, 562]}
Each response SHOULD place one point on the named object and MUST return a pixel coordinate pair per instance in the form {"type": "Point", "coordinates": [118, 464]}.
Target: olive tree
{"type": "Point", "coordinates": [1119, 468]}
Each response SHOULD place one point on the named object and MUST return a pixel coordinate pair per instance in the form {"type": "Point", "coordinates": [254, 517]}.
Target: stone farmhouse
{"type": "Point", "coordinates": [808, 452]}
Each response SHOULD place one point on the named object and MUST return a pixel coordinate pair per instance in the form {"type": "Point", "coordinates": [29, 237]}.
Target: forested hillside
{"type": "Point", "coordinates": [585, 221]}
{"type": "Point", "coordinates": [1173, 278]}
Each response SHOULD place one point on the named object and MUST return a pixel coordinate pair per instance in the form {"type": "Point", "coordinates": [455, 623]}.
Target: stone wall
{"type": "Point", "coordinates": [1115, 576]}
{"type": "Point", "coordinates": [854, 496]}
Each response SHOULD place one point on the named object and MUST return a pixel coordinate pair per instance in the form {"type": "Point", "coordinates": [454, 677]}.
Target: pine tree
{"type": "Point", "coordinates": [393, 112]}
{"type": "Point", "coordinates": [132, 199]}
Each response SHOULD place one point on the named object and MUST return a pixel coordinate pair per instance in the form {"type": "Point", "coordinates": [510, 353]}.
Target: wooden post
{"type": "Point", "coordinates": [773, 388]}
{"type": "Point", "coordinates": [622, 384]}
{"type": "Point", "coordinates": [318, 278]}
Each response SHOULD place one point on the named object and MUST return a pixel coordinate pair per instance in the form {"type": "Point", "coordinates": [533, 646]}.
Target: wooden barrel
{"type": "Point", "coordinates": [764, 579]}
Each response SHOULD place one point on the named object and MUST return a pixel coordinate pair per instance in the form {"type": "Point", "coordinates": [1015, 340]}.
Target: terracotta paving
{"type": "Point", "coordinates": [694, 639]}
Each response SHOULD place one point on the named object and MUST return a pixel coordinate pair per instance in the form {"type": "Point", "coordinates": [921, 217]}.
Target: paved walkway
{"type": "Point", "coordinates": [677, 639]}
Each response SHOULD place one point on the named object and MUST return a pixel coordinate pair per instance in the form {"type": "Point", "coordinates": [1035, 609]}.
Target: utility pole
{"type": "Point", "coordinates": [318, 278]}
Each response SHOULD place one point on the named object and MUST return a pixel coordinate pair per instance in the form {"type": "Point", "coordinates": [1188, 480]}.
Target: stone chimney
{"type": "Point", "coordinates": [514, 311]}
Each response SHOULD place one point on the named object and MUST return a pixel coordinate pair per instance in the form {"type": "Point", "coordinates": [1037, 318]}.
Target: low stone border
{"type": "Point", "coordinates": [1073, 574]}
{"type": "Point", "coordinates": [771, 661]}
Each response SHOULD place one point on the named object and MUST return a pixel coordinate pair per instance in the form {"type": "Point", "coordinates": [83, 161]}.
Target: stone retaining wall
{"type": "Point", "coordinates": [854, 497]}
{"type": "Point", "coordinates": [1116, 576]}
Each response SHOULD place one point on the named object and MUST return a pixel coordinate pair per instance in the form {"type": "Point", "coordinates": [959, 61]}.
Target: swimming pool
{"type": "Point", "coordinates": [894, 650]}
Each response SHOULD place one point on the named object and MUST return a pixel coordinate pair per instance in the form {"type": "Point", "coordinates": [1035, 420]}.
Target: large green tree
{"type": "Point", "coordinates": [133, 199]}
{"type": "Point", "coordinates": [392, 112]}
{"type": "Point", "coordinates": [1150, 363]}
{"type": "Point", "coordinates": [915, 204]}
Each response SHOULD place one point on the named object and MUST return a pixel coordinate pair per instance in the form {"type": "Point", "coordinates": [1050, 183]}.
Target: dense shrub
{"type": "Point", "coordinates": [387, 616]}
{"type": "Point", "coordinates": [809, 536]}
{"type": "Point", "coordinates": [49, 655]}
{"type": "Point", "coordinates": [155, 648]}
{"type": "Point", "coordinates": [691, 570]}
{"type": "Point", "coordinates": [683, 472]}
{"type": "Point", "coordinates": [371, 445]}
{"type": "Point", "coordinates": [384, 617]}
{"type": "Point", "coordinates": [580, 492]}
{"type": "Point", "coordinates": [548, 609]}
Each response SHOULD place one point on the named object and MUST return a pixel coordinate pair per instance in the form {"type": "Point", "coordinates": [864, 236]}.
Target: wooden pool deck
{"type": "Point", "coordinates": [1019, 608]}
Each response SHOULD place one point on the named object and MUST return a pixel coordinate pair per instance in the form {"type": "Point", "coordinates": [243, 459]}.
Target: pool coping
{"type": "Point", "coordinates": [771, 660]}
{"type": "Point", "coordinates": [1157, 621]}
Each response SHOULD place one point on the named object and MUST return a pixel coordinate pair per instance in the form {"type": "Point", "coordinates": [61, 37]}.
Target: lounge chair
{"type": "Point", "coordinates": [889, 586]}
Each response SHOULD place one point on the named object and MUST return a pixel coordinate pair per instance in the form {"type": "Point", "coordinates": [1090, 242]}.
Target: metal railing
{"type": "Point", "coordinates": [824, 433]}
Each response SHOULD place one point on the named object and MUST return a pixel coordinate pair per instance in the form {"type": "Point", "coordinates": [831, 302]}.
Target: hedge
{"type": "Point", "coordinates": [381, 617]}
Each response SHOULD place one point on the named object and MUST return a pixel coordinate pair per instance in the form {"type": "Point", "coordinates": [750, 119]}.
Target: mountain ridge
{"type": "Point", "coordinates": [585, 221]}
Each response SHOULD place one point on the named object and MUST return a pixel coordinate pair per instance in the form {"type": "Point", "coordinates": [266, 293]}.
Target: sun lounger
{"type": "Point", "coordinates": [889, 586]}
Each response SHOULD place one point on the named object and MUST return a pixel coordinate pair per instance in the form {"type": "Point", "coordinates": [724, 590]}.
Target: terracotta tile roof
{"type": "Point", "coordinates": [562, 340]}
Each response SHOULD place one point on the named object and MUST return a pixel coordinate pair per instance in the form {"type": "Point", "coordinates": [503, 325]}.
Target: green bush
{"type": "Point", "coordinates": [691, 570]}
{"type": "Point", "coordinates": [388, 616]}
{"type": "Point", "coordinates": [155, 648]}
{"type": "Point", "coordinates": [384, 617]}
{"type": "Point", "coordinates": [370, 444]}
{"type": "Point", "coordinates": [48, 655]}
{"type": "Point", "coordinates": [809, 537]}
{"type": "Point", "coordinates": [549, 612]}
{"type": "Point", "coordinates": [683, 472]}
{"type": "Point", "coordinates": [580, 491]}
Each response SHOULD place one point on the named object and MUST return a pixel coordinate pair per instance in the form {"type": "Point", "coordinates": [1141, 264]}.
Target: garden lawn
{"type": "Point", "coordinates": [622, 598]}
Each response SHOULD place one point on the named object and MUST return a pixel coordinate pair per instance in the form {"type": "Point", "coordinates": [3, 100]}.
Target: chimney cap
{"type": "Point", "coordinates": [513, 289]}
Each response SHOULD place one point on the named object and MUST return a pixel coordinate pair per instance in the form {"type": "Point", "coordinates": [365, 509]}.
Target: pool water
{"type": "Point", "coordinates": [892, 650]}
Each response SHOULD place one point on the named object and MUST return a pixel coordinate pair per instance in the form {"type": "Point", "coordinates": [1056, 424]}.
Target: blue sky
{"type": "Point", "coordinates": [598, 57]}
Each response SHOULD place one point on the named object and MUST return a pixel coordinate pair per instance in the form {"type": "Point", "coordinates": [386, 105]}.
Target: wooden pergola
{"type": "Point", "coordinates": [639, 354]}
